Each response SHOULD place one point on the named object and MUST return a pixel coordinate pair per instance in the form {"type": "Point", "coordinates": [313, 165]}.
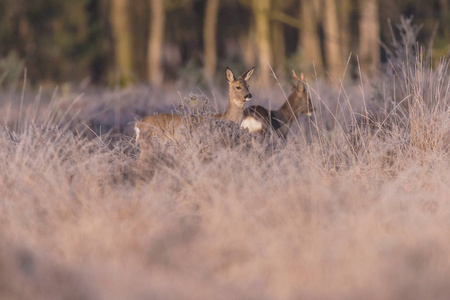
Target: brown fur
{"type": "Point", "coordinates": [299, 101]}
{"type": "Point", "coordinates": [167, 126]}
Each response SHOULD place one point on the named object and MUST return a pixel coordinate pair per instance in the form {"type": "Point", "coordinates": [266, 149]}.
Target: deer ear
{"type": "Point", "coordinates": [229, 75]}
{"type": "Point", "coordinates": [246, 76]}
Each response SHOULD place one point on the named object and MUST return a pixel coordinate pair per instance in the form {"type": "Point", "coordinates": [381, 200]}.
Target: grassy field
{"type": "Point", "coordinates": [344, 209]}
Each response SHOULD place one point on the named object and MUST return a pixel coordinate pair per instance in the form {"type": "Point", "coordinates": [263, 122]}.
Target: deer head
{"type": "Point", "coordinates": [301, 96]}
{"type": "Point", "coordinates": [238, 87]}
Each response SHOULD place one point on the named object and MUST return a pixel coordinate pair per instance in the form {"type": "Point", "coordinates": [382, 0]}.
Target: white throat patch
{"type": "Point", "coordinates": [252, 124]}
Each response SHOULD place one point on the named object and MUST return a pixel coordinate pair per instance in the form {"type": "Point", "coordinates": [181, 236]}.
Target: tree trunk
{"type": "Point", "coordinates": [261, 10]}
{"type": "Point", "coordinates": [121, 31]}
{"type": "Point", "coordinates": [155, 41]}
{"type": "Point", "coordinates": [369, 34]}
{"type": "Point", "coordinates": [331, 40]}
{"type": "Point", "coordinates": [344, 11]}
{"type": "Point", "coordinates": [279, 49]}
{"type": "Point", "coordinates": [248, 45]}
{"type": "Point", "coordinates": [309, 40]}
{"type": "Point", "coordinates": [445, 17]}
{"type": "Point", "coordinates": [209, 39]}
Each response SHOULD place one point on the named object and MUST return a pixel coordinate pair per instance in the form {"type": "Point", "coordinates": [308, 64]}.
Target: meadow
{"type": "Point", "coordinates": [353, 205]}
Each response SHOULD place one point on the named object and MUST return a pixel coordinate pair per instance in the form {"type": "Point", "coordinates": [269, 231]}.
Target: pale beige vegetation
{"type": "Point", "coordinates": [315, 217]}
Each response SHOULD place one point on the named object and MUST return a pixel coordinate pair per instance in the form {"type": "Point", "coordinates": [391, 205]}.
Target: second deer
{"type": "Point", "coordinates": [258, 119]}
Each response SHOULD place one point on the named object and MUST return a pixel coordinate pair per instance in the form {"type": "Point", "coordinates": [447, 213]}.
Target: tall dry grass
{"type": "Point", "coordinates": [344, 209]}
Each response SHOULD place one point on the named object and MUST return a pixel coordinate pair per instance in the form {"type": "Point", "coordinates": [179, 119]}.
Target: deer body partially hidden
{"type": "Point", "coordinates": [258, 119]}
{"type": "Point", "coordinates": [167, 126]}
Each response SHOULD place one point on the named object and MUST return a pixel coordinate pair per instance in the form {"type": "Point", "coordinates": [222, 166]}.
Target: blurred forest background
{"type": "Point", "coordinates": [111, 42]}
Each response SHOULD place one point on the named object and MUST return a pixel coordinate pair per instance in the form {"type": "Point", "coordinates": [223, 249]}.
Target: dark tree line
{"type": "Point", "coordinates": [159, 41]}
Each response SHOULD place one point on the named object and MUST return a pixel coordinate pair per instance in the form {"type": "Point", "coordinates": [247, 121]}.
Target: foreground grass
{"type": "Point", "coordinates": [334, 212]}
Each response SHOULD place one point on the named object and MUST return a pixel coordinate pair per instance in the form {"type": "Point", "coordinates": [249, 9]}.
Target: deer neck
{"type": "Point", "coordinates": [235, 111]}
{"type": "Point", "coordinates": [290, 109]}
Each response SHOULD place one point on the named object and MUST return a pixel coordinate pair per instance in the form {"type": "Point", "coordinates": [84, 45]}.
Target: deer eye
{"type": "Point", "coordinates": [238, 87]}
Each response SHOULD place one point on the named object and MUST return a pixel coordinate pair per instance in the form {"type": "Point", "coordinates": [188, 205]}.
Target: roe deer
{"type": "Point", "coordinates": [167, 126]}
{"type": "Point", "coordinates": [260, 120]}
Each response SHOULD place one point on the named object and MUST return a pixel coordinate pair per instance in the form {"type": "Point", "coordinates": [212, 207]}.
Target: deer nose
{"type": "Point", "coordinates": [248, 97]}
